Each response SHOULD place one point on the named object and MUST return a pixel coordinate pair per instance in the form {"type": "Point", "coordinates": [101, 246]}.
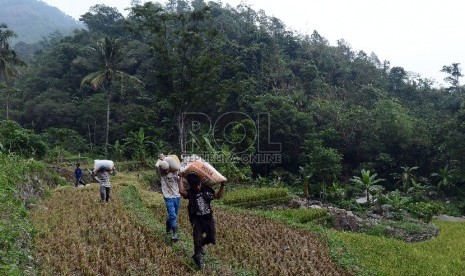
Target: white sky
{"type": "Point", "coordinates": [420, 36]}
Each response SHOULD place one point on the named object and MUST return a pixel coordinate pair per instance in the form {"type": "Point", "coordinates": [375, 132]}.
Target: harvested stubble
{"type": "Point", "coordinates": [78, 235]}
{"type": "Point", "coordinates": [262, 245]}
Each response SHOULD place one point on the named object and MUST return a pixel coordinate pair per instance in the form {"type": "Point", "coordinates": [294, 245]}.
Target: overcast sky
{"type": "Point", "coordinates": [420, 36]}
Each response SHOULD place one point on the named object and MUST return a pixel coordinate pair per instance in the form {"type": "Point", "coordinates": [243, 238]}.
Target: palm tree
{"type": "Point", "coordinates": [8, 63]}
{"type": "Point", "coordinates": [108, 52]}
{"type": "Point", "coordinates": [367, 180]}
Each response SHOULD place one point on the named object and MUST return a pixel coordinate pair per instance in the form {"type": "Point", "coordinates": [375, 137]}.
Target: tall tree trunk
{"type": "Point", "coordinates": [108, 123]}
{"type": "Point", "coordinates": [90, 137]}
{"type": "Point", "coordinates": [7, 108]}
{"type": "Point", "coordinates": [7, 100]}
{"type": "Point", "coordinates": [182, 138]}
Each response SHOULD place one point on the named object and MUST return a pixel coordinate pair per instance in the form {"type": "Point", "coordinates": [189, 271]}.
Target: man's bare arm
{"type": "Point", "coordinates": [219, 193]}
{"type": "Point", "coordinates": [182, 189]}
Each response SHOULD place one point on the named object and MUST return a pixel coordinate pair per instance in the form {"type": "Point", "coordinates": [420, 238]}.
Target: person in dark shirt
{"type": "Point", "coordinates": [200, 213]}
{"type": "Point", "coordinates": [78, 175]}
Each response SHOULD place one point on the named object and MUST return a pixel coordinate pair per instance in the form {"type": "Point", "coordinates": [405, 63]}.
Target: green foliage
{"type": "Point", "coordinates": [397, 229]}
{"type": "Point", "coordinates": [417, 191]}
{"type": "Point", "coordinates": [424, 210]}
{"type": "Point", "coordinates": [323, 161]}
{"type": "Point", "coordinates": [454, 73]}
{"type": "Point", "coordinates": [331, 109]}
{"type": "Point", "coordinates": [139, 146]}
{"type": "Point", "coordinates": [336, 193]}
{"type": "Point", "coordinates": [396, 199]}
{"type": "Point", "coordinates": [68, 139]}
{"type": "Point", "coordinates": [20, 182]}
{"type": "Point", "coordinates": [367, 181]}
{"type": "Point", "coordinates": [445, 178]}
{"type": "Point", "coordinates": [24, 142]}
{"type": "Point", "coordinates": [318, 216]}
{"type": "Point", "coordinates": [108, 53]}
{"type": "Point", "coordinates": [57, 155]}
{"type": "Point", "coordinates": [249, 195]}
{"type": "Point", "coordinates": [439, 256]}
{"type": "Point", "coordinates": [407, 176]}
{"type": "Point", "coordinates": [306, 173]}
{"type": "Point", "coordinates": [149, 178]}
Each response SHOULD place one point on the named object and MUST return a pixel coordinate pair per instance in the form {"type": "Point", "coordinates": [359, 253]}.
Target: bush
{"type": "Point", "coordinates": [15, 139]}
{"type": "Point", "coordinates": [424, 210]}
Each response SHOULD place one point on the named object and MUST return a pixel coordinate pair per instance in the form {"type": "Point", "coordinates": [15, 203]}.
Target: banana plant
{"type": "Point", "coordinates": [367, 181]}
{"type": "Point", "coordinates": [445, 176]}
{"type": "Point", "coordinates": [138, 143]}
{"type": "Point", "coordinates": [396, 199]}
{"type": "Point", "coordinates": [307, 173]}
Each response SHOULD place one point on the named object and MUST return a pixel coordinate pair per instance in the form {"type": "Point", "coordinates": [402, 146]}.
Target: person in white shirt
{"type": "Point", "coordinates": [170, 190]}
{"type": "Point", "coordinates": [103, 178]}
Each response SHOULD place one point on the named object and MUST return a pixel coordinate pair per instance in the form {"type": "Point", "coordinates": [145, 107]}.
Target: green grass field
{"type": "Point", "coordinates": [443, 255]}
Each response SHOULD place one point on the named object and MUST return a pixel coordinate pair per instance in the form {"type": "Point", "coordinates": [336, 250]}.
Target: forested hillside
{"type": "Point", "coordinates": [130, 88]}
{"type": "Point", "coordinates": [32, 20]}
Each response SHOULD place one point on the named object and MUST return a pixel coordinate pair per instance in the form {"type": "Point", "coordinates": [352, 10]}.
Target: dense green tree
{"type": "Point", "coordinates": [103, 19]}
{"type": "Point", "coordinates": [454, 73]}
{"type": "Point", "coordinates": [186, 57]}
{"type": "Point", "coordinates": [8, 65]}
{"type": "Point", "coordinates": [24, 142]}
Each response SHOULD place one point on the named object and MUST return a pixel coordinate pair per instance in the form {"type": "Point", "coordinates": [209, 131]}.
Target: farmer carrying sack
{"type": "Point", "coordinates": [172, 160]}
{"type": "Point", "coordinates": [107, 164]}
{"type": "Point", "coordinates": [208, 175]}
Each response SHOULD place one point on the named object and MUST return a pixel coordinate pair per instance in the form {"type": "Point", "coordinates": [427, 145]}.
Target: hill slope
{"type": "Point", "coordinates": [33, 19]}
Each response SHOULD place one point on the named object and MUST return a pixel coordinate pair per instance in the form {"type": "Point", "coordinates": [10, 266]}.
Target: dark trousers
{"type": "Point", "coordinates": [203, 232]}
{"type": "Point", "coordinates": [79, 181]}
{"type": "Point", "coordinates": [103, 191]}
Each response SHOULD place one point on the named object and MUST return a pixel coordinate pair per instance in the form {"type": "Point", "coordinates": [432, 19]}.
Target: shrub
{"type": "Point", "coordinates": [424, 210]}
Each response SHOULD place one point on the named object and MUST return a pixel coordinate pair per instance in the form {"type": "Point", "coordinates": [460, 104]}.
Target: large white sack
{"type": "Point", "coordinates": [173, 161]}
{"type": "Point", "coordinates": [107, 164]}
{"type": "Point", "coordinates": [163, 165]}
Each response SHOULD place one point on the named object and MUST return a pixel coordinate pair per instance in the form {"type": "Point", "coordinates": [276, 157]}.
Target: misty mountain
{"type": "Point", "coordinates": [32, 19]}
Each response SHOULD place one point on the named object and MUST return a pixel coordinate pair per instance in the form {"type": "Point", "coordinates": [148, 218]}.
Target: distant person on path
{"type": "Point", "coordinates": [103, 178]}
{"type": "Point", "coordinates": [78, 175]}
{"type": "Point", "coordinates": [170, 190]}
{"type": "Point", "coordinates": [200, 213]}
